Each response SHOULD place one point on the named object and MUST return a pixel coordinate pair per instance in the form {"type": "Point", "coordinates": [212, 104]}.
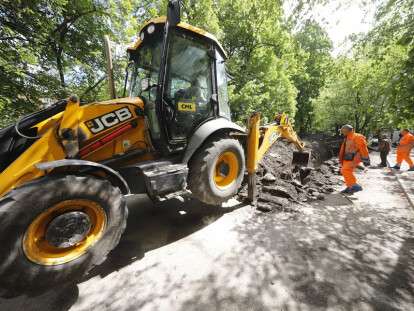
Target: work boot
{"type": "Point", "coordinates": [396, 167]}
{"type": "Point", "coordinates": [356, 188]}
{"type": "Point", "coordinates": [347, 190]}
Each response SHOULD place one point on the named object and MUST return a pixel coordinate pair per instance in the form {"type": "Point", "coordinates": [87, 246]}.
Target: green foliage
{"type": "Point", "coordinates": [314, 48]}
{"type": "Point", "coordinates": [392, 37]}
{"type": "Point", "coordinates": [202, 14]}
{"type": "Point", "coordinates": [49, 49]}
{"type": "Point", "coordinates": [373, 88]}
{"type": "Point", "coordinates": [261, 57]}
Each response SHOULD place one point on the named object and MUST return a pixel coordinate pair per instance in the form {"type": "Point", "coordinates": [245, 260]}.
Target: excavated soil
{"type": "Point", "coordinates": [285, 187]}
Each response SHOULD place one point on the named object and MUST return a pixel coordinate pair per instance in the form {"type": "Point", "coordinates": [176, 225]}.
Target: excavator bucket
{"type": "Point", "coordinates": [301, 158]}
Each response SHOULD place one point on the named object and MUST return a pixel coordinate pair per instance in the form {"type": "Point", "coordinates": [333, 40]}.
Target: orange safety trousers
{"type": "Point", "coordinates": [355, 144]}
{"type": "Point", "coordinates": [347, 171]}
{"type": "Point", "coordinates": [404, 155]}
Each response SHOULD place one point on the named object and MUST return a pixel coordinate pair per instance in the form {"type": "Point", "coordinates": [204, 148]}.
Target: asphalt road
{"type": "Point", "coordinates": [341, 254]}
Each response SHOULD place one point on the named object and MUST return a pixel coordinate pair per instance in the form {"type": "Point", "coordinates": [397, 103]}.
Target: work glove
{"type": "Point", "coordinates": [366, 161]}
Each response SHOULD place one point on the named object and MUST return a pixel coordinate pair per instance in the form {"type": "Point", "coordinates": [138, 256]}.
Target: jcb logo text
{"type": "Point", "coordinates": [108, 120]}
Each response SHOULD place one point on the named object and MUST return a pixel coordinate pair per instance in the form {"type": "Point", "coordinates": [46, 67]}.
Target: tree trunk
{"type": "Point", "coordinates": [59, 66]}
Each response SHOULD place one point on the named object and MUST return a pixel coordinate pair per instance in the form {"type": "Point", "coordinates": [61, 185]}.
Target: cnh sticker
{"type": "Point", "coordinates": [108, 120]}
{"type": "Point", "coordinates": [183, 106]}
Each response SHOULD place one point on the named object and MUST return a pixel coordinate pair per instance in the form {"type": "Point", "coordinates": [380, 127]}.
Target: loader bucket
{"type": "Point", "coordinates": [301, 158]}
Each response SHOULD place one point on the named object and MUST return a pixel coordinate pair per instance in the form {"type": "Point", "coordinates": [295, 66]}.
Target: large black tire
{"type": "Point", "coordinates": [202, 169]}
{"type": "Point", "coordinates": [18, 274]}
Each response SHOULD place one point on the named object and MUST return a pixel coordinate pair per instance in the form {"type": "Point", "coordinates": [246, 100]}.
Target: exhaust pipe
{"type": "Point", "coordinates": [109, 68]}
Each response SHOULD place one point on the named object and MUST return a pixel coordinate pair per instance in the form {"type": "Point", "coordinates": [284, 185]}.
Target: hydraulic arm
{"type": "Point", "coordinates": [259, 141]}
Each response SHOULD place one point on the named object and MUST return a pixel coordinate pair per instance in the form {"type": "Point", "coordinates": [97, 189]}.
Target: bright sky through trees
{"type": "Point", "coordinates": [341, 19]}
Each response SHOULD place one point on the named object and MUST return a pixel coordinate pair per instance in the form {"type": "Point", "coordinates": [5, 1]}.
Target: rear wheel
{"type": "Point", "coordinates": [55, 229]}
{"type": "Point", "coordinates": [216, 171]}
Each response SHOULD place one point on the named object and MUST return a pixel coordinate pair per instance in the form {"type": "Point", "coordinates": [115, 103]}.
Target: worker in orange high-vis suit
{"type": "Point", "coordinates": [353, 151]}
{"type": "Point", "coordinates": [404, 149]}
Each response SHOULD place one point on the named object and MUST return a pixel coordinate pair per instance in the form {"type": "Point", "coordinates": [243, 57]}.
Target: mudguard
{"type": "Point", "coordinates": [205, 131]}
{"type": "Point", "coordinates": [85, 167]}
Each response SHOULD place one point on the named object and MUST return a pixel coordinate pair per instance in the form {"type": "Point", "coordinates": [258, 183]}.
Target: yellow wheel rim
{"type": "Point", "coordinates": [226, 169]}
{"type": "Point", "coordinates": [40, 251]}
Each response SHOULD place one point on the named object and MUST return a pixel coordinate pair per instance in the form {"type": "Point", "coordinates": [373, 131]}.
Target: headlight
{"type": "Point", "coordinates": [142, 36]}
{"type": "Point", "coordinates": [151, 29]}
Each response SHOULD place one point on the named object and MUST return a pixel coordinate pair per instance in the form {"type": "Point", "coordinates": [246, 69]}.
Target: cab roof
{"type": "Point", "coordinates": [183, 25]}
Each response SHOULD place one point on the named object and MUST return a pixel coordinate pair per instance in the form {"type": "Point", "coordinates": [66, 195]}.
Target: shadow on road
{"type": "Point", "coordinates": [152, 226]}
{"type": "Point", "coordinates": [335, 255]}
{"type": "Point", "coordinates": [149, 227]}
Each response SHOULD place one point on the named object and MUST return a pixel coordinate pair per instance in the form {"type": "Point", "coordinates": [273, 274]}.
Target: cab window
{"type": "Point", "coordinates": [144, 77]}
{"type": "Point", "coordinates": [223, 96]}
{"type": "Point", "coordinates": [188, 85]}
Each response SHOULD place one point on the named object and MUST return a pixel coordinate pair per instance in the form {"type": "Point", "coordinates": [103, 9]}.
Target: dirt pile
{"type": "Point", "coordinates": [324, 147]}
{"type": "Point", "coordinates": [281, 184]}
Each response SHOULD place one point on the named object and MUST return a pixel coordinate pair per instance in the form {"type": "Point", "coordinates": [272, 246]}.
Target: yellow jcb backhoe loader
{"type": "Point", "coordinates": [65, 170]}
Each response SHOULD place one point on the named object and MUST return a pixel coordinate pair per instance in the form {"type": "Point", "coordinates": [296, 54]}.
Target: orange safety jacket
{"type": "Point", "coordinates": [406, 143]}
{"type": "Point", "coordinates": [354, 147]}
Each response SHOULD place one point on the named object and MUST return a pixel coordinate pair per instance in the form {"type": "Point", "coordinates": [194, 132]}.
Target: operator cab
{"type": "Point", "coordinates": [182, 79]}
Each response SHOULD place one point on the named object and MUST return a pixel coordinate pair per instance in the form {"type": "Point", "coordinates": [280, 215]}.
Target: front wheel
{"type": "Point", "coordinates": [216, 170]}
{"type": "Point", "coordinates": [55, 229]}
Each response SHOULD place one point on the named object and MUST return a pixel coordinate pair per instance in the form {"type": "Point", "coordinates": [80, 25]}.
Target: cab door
{"type": "Point", "coordinates": [188, 87]}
